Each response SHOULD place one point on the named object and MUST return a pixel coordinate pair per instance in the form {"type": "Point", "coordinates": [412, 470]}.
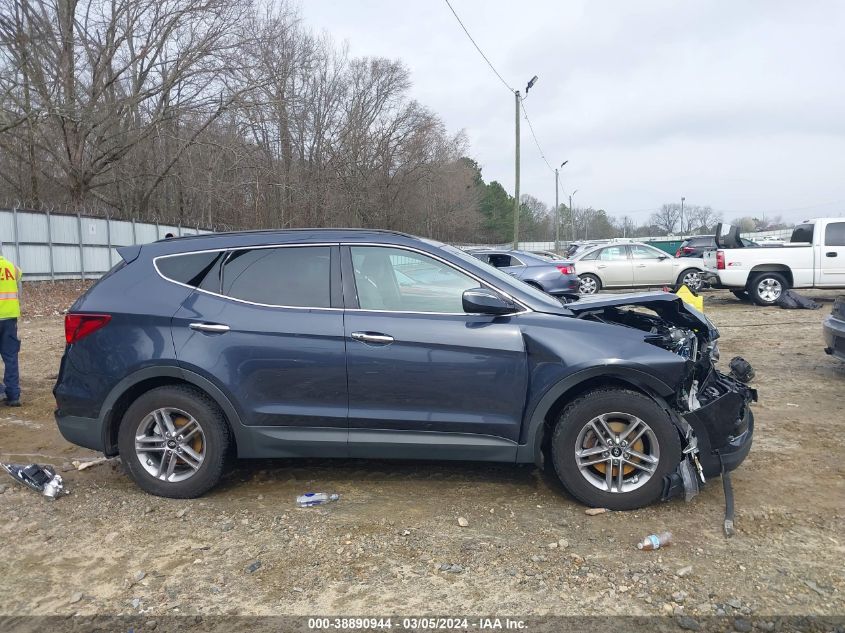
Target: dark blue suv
{"type": "Point", "coordinates": [366, 343]}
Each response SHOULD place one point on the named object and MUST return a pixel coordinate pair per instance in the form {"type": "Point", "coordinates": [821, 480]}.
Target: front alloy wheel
{"type": "Point", "coordinates": [612, 448]}
{"type": "Point", "coordinates": [617, 452]}
{"type": "Point", "coordinates": [589, 285]}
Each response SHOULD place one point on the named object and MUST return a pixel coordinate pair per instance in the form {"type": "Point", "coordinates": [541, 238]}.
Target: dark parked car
{"type": "Point", "coordinates": [700, 244]}
{"type": "Point", "coordinates": [556, 277]}
{"type": "Point", "coordinates": [834, 329]}
{"type": "Point", "coordinates": [364, 343]}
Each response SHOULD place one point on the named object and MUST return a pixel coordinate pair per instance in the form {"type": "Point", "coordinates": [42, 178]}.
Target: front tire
{"type": "Point", "coordinates": [590, 284]}
{"type": "Point", "coordinates": [611, 448]}
{"type": "Point", "coordinates": [766, 288]}
{"type": "Point", "coordinates": [174, 441]}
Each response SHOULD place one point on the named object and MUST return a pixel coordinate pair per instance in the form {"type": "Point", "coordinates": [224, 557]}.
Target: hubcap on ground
{"type": "Point", "coordinates": [692, 281]}
{"type": "Point", "coordinates": [170, 444]}
{"type": "Point", "coordinates": [617, 452]}
{"type": "Point", "coordinates": [588, 286]}
{"type": "Point", "coordinates": [769, 289]}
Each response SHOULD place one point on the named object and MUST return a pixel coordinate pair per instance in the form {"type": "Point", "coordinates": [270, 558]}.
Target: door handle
{"type": "Point", "coordinates": [830, 254]}
{"type": "Point", "coordinates": [640, 265]}
{"type": "Point", "coordinates": [372, 338]}
{"type": "Point", "coordinates": [602, 266]}
{"type": "Point", "coordinates": [211, 328]}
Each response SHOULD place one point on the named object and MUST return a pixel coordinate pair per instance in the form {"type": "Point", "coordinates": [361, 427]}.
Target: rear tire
{"type": "Point", "coordinates": [197, 455]}
{"type": "Point", "coordinates": [590, 284]}
{"type": "Point", "coordinates": [691, 278]}
{"type": "Point", "coordinates": [766, 288]}
{"type": "Point", "coordinates": [623, 411]}
{"type": "Point", "coordinates": [742, 295]}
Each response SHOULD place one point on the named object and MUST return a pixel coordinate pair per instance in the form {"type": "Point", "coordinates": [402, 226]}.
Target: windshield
{"type": "Point", "coordinates": [507, 280]}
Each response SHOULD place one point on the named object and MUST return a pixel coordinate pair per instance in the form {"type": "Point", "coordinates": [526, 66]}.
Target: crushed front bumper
{"type": "Point", "coordinates": [724, 425]}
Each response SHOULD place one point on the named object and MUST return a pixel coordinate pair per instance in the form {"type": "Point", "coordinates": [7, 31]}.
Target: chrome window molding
{"type": "Point", "coordinates": [524, 308]}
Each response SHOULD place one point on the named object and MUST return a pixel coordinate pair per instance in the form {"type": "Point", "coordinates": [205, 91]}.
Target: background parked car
{"type": "Point", "coordinates": [556, 277]}
{"type": "Point", "coordinates": [834, 329]}
{"type": "Point", "coordinates": [698, 245]}
{"type": "Point", "coordinates": [634, 265]}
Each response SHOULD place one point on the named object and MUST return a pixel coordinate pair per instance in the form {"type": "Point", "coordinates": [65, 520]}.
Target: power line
{"type": "Point", "coordinates": [536, 142]}
{"type": "Point", "coordinates": [478, 48]}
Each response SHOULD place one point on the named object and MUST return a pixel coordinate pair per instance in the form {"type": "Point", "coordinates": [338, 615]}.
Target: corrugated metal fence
{"type": "Point", "coordinates": [49, 246]}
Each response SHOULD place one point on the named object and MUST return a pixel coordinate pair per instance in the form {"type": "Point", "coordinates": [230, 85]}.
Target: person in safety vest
{"type": "Point", "coordinates": [10, 345]}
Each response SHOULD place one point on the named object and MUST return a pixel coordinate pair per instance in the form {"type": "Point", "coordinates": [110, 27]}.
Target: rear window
{"type": "Point", "coordinates": [190, 269]}
{"type": "Point", "coordinates": [834, 234]}
{"type": "Point", "coordinates": [802, 233]}
{"type": "Point", "coordinates": [292, 276]}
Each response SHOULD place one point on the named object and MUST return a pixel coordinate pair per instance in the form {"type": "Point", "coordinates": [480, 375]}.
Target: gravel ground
{"type": "Point", "coordinates": [394, 542]}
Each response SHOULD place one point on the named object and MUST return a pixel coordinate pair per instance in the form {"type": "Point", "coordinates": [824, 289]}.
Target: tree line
{"type": "Point", "coordinates": [230, 114]}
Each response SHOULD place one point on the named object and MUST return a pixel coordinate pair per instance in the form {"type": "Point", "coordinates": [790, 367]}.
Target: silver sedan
{"type": "Point", "coordinates": [635, 265]}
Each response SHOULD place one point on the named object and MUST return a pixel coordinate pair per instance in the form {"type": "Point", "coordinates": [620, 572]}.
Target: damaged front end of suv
{"type": "Point", "coordinates": [710, 409]}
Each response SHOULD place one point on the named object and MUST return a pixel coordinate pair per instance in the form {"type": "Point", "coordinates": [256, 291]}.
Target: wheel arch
{"type": "Point", "coordinates": [130, 388]}
{"type": "Point", "coordinates": [547, 410]}
{"type": "Point", "coordinates": [783, 269]}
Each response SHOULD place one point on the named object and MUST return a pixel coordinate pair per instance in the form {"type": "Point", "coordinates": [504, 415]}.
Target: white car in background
{"type": "Point", "coordinates": [635, 265]}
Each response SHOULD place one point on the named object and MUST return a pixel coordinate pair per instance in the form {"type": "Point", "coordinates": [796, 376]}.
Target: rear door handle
{"type": "Point", "coordinates": [372, 338]}
{"type": "Point", "coordinates": [602, 266]}
{"type": "Point", "coordinates": [212, 328]}
{"type": "Point", "coordinates": [831, 254]}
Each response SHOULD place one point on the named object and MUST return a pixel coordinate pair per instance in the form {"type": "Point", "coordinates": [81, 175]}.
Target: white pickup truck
{"type": "Point", "coordinates": [814, 257]}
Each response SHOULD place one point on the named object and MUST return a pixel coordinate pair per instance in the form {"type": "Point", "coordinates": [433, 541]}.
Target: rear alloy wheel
{"type": "Point", "coordinates": [590, 284]}
{"type": "Point", "coordinates": [766, 288]}
{"type": "Point", "coordinates": [174, 441]}
{"type": "Point", "coordinates": [691, 279]}
{"type": "Point", "coordinates": [611, 448]}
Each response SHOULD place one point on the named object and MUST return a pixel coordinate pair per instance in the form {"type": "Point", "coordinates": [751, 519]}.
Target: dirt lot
{"type": "Point", "coordinates": [392, 544]}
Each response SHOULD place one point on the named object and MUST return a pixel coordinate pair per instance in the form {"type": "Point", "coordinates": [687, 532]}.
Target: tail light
{"type": "Point", "coordinates": [567, 269]}
{"type": "Point", "coordinates": [684, 250]}
{"type": "Point", "coordinates": [720, 260]}
{"type": "Point", "coordinates": [679, 251]}
{"type": "Point", "coordinates": [78, 326]}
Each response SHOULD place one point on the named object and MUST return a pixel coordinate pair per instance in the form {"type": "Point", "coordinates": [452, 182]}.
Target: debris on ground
{"type": "Point", "coordinates": [463, 522]}
{"type": "Point", "coordinates": [594, 511]}
{"type": "Point", "coordinates": [83, 464]}
{"type": "Point", "coordinates": [310, 499]}
{"type": "Point", "coordinates": [791, 300]}
{"type": "Point", "coordinates": [655, 541]}
{"type": "Point", "coordinates": [42, 479]}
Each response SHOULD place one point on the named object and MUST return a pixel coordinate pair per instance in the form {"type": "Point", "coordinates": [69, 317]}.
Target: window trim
{"type": "Point", "coordinates": [346, 254]}
{"type": "Point", "coordinates": [250, 248]}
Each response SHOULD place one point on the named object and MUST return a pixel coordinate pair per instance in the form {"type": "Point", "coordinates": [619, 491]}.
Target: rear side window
{"type": "Point", "coordinates": [613, 254]}
{"type": "Point", "coordinates": [292, 276]}
{"type": "Point", "coordinates": [834, 234]}
{"type": "Point", "coordinates": [190, 269]}
{"type": "Point", "coordinates": [802, 233]}
{"type": "Point", "coordinates": [500, 260]}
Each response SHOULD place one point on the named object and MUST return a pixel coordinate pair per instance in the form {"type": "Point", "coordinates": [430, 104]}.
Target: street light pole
{"type": "Point", "coordinates": [682, 215]}
{"type": "Point", "coordinates": [572, 214]}
{"type": "Point", "coordinates": [516, 174]}
{"type": "Point", "coordinates": [557, 209]}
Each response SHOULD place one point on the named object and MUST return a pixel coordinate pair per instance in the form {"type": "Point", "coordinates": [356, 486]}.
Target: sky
{"type": "Point", "coordinates": [736, 105]}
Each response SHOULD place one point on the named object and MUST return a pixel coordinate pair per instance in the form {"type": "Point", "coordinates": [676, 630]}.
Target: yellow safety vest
{"type": "Point", "coordinates": [10, 307]}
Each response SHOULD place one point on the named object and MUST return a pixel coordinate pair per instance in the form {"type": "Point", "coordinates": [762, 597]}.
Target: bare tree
{"type": "Point", "coordinates": [667, 218]}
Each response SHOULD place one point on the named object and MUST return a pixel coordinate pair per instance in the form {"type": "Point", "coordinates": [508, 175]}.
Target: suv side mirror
{"type": "Point", "coordinates": [486, 301]}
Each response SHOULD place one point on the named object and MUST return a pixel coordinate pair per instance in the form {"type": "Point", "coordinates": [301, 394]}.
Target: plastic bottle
{"type": "Point", "coordinates": [315, 499]}
{"type": "Point", "coordinates": [655, 541]}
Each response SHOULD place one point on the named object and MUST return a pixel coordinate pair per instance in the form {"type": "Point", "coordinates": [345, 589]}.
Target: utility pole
{"type": "Point", "coordinates": [682, 215]}
{"type": "Point", "coordinates": [516, 175]}
{"type": "Point", "coordinates": [572, 214]}
{"type": "Point", "coordinates": [557, 208]}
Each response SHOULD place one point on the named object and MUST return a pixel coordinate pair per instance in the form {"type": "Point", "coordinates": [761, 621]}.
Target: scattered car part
{"type": "Point", "coordinates": [791, 300]}
{"type": "Point", "coordinates": [42, 479]}
{"type": "Point", "coordinates": [741, 369]}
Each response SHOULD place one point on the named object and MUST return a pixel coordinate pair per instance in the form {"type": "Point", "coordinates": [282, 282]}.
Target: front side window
{"type": "Point", "coordinates": [613, 254]}
{"type": "Point", "coordinates": [405, 281]}
{"type": "Point", "coordinates": [644, 252]}
{"type": "Point", "coordinates": [834, 234]}
{"type": "Point", "coordinates": [297, 276]}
